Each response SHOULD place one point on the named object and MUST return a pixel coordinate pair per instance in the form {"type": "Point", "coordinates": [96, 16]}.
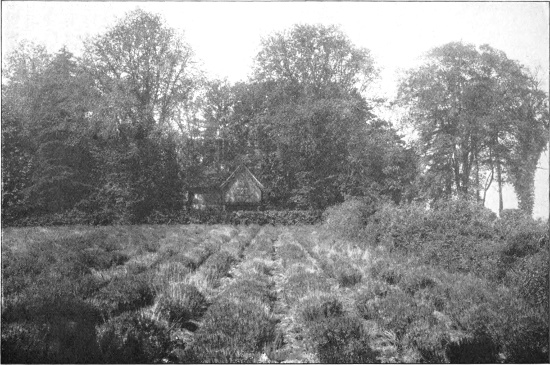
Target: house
{"type": "Point", "coordinates": [241, 191]}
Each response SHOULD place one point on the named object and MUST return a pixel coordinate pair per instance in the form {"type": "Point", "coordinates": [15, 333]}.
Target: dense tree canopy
{"type": "Point", "coordinates": [120, 132]}
{"type": "Point", "coordinates": [315, 59]}
{"type": "Point", "coordinates": [143, 70]}
{"type": "Point", "coordinates": [474, 111]}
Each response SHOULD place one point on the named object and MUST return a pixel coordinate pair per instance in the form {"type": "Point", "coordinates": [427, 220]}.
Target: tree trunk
{"type": "Point", "coordinates": [499, 179]}
{"type": "Point", "coordinates": [478, 190]}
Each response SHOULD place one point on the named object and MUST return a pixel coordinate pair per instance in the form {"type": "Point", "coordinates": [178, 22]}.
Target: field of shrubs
{"type": "Point", "coordinates": [374, 283]}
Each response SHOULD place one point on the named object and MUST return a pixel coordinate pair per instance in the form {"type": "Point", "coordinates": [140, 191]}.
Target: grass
{"type": "Point", "coordinates": [276, 294]}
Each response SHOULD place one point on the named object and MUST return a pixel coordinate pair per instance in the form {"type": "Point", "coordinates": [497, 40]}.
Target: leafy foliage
{"type": "Point", "coordinates": [476, 112]}
{"type": "Point", "coordinates": [232, 331]}
{"type": "Point", "coordinates": [133, 338]}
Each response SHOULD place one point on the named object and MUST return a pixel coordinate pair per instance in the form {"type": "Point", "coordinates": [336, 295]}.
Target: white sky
{"type": "Point", "coordinates": [226, 36]}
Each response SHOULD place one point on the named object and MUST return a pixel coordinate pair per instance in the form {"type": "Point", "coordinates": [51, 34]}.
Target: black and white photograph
{"type": "Point", "coordinates": [275, 182]}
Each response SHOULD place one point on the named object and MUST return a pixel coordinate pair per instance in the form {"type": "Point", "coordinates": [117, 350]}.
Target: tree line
{"type": "Point", "coordinates": [121, 131]}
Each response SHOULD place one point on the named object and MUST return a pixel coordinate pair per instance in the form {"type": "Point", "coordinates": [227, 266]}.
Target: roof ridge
{"type": "Point", "coordinates": [242, 166]}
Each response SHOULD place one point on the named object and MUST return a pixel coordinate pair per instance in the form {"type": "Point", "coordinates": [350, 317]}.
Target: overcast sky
{"type": "Point", "coordinates": [226, 36]}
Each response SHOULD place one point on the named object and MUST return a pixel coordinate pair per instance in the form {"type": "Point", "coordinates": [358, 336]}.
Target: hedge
{"type": "Point", "coordinates": [208, 216]}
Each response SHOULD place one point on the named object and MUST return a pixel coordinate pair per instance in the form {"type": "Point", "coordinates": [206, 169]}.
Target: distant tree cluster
{"type": "Point", "coordinates": [120, 132]}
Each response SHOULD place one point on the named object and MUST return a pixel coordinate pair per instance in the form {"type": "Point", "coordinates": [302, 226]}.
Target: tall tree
{"type": "Point", "coordinates": [464, 104]}
{"type": "Point", "coordinates": [145, 75]}
{"type": "Point", "coordinates": [312, 77]}
{"type": "Point", "coordinates": [144, 70]}
{"type": "Point", "coordinates": [46, 98]}
{"type": "Point", "coordinates": [64, 166]}
{"type": "Point", "coordinates": [17, 152]}
{"type": "Point", "coordinates": [314, 59]}
{"type": "Point", "coordinates": [21, 76]}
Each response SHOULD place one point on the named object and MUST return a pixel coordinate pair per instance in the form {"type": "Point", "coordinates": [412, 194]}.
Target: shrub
{"type": "Point", "coordinates": [183, 260]}
{"type": "Point", "coordinates": [135, 268]}
{"type": "Point", "coordinates": [319, 307]}
{"type": "Point", "coordinates": [299, 284]}
{"type": "Point", "coordinates": [183, 303]}
{"type": "Point", "coordinates": [64, 257]}
{"type": "Point", "coordinates": [526, 334]}
{"type": "Point", "coordinates": [233, 331]}
{"type": "Point", "coordinates": [198, 255]}
{"type": "Point", "coordinates": [524, 237]}
{"type": "Point", "coordinates": [107, 216]}
{"type": "Point", "coordinates": [126, 293]}
{"type": "Point", "coordinates": [478, 349]}
{"type": "Point", "coordinates": [276, 217]}
{"type": "Point", "coordinates": [531, 276]}
{"type": "Point", "coordinates": [47, 301]}
{"type": "Point", "coordinates": [397, 310]}
{"type": "Point", "coordinates": [99, 259]}
{"type": "Point", "coordinates": [169, 272]}
{"type": "Point", "coordinates": [291, 253]}
{"type": "Point", "coordinates": [347, 276]}
{"type": "Point", "coordinates": [351, 217]}
{"type": "Point", "coordinates": [25, 343]}
{"type": "Point", "coordinates": [341, 339]}
{"type": "Point", "coordinates": [456, 235]}
{"type": "Point", "coordinates": [432, 342]}
{"type": "Point", "coordinates": [48, 324]}
{"type": "Point", "coordinates": [218, 265]}
{"type": "Point", "coordinates": [133, 338]}
{"type": "Point", "coordinates": [250, 288]}
{"type": "Point", "coordinates": [60, 341]}
{"type": "Point", "coordinates": [417, 278]}
{"type": "Point", "coordinates": [366, 298]}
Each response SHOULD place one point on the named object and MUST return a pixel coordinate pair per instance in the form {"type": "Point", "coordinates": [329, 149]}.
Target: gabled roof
{"type": "Point", "coordinates": [245, 170]}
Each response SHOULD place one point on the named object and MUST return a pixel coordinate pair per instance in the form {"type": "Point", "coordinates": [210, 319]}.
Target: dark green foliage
{"type": "Point", "coordinates": [133, 338]}
{"type": "Point", "coordinates": [430, 339]}
{"type": "Point", "coordinates": [524, 238]}
{"type": "Point", "coordinates": [61, 341]}
{"type": "Point", "coordinates": [297, 284]}
{"type": "Point", "coordinates": [250, 288]}
{"type": "Point", "coordinates": [70, 257]}
{"type": "Point", "coordinates": [458, 236]}
{"type": "Point", "coordinates": [218, 264]}
{"type": "Point", "coordinates": [470, 117]}
{"type": "Point", "coordinates": [480, 349]}
{"type": "Point", "coordinates": [24, 343]}
{"type": "Point", "coordinates": [319, 308]}
{"type": "Point", "coordinates": [197, 255]}
{"type": "Point", "coordinates": [91, 216]}
{"type": "Point", "coordinates": [527, 335]}
{"type": "Point", "coordinates": [351, 217]}
{"type": "Point", "coordinates": [17, 154]}
{"type": "Point", "coordinates": [348, 276]}
{"type": "Point", "coordinates": [135, 268]}
{"type": "Point", "coordinates": [521, 244]}
{"type": "Point", "coordinates": [290, 254]}
{"type": "Point", "coordinates": [397, 310]}
{"type": "Point", "coordinates": [233, 331]}
{"type": "Point", "coordinates": [276, 217]}
{"type": "Point", "coordinates": [126, 293]}
{"type": "Point", "coordinates": [41, 302]}
{"type": "Point", "coordinates": [184, 303]}
{"type": "Point", "coordinates": [341, 339]}
{"type": "Point", "coordinates": [47, 323]}
{"type": "Point", "coordinates": [530, 275]}
{"type": "Point", "coordinates": [366, 299]}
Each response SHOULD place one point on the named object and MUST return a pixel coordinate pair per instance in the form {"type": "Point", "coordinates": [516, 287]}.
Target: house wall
{"type": "Point", "coordinates": [243, 189]}
{"type": "Point", "coordinates": [203, 200]}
